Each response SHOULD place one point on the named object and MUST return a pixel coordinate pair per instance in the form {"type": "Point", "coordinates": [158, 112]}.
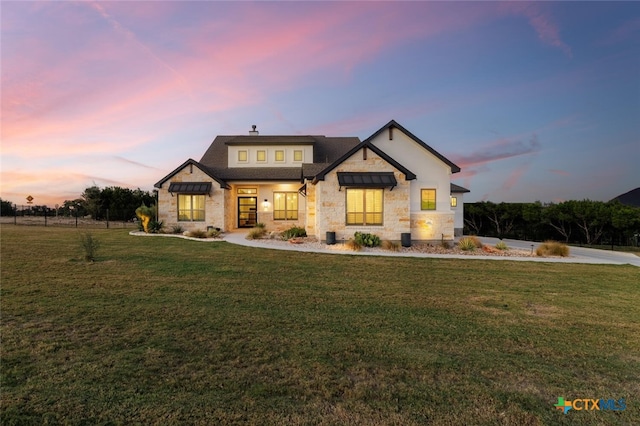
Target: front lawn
{"type": "Point", "coordinates": [170, 331]}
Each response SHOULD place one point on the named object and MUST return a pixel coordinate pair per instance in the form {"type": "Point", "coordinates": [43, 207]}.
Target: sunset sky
{"type": "Point", "coordinates": [534, 101]}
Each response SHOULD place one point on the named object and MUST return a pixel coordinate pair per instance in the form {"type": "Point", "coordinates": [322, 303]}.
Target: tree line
{"type": "Point", "coordinates": [583, 222]}
{"type": "Point", "coordinates": [110, 203]}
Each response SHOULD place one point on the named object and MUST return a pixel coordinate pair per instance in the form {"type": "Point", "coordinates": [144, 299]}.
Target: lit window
{"type": "Point", "coordinates": [428, 199]}
{"type": "Point", "coordinates": [297, 155]}
{"type": "Point", "coordinates": [285, 206]}
{"type": "Point", "coordinates": [364, 206]}
{"type": "Point", "coordinates": [279, 155]}
{"type": "Point", "coordinates": [454, 201]}
{"type": "Point", "coordinates": [245, 191]}
{"type": "Point", "coordinates": [262, 155]}
{"type": "Point", "coordinates": [191, 208]}
{"type": "Point", "coordinates": [242, 156]}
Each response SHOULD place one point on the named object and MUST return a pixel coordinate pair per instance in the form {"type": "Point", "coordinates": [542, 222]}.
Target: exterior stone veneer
{"type": "Point", "coordinates": [432, 226]}
{"type": "Point", "coordinates": [329, 211]}
{"type": "Point", "coordinates": [214, 202]}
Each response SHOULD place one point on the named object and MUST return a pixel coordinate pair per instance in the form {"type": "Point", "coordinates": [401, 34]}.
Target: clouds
{"type": "Point", "coordinates": [540, 20]}
{"type": "Point", "coordinates": [115, 91]}
{"type": "Point", "coordinates": [497, 150]}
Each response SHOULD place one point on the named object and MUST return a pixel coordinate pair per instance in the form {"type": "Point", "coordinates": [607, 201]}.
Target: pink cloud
{"type": "Point", "coordinates": [544, 26]}
{"type": "Point", "coordinates": [514, 177]}
{"type": "Point", "coordinates": [498, 150]}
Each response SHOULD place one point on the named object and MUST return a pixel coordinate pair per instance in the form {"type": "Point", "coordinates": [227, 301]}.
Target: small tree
{"type": "Point", "coordinates": [146, 215]}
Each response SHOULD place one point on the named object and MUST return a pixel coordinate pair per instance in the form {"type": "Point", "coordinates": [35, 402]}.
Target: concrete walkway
{"type": "Point", "coordinates": [578, 254]}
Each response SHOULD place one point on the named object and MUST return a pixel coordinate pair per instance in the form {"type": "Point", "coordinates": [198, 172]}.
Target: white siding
{"type": "Point", "coordinates": [252, 155]}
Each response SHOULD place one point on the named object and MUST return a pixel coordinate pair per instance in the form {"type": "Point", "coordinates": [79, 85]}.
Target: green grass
{"type": "Point", "coordinates": [170, 331]}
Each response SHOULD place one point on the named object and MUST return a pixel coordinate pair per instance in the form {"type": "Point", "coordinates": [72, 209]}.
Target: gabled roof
{"type": "Point", "coordinates": [325, 151]}
{"type": "Point", "coordinates": [394, 124]}
{"type": "Point", "coordinates": [366, 144]}
{"type": "Point", "coordinates": [458, 188]}
{"type": "Point", "coordinates": [192, 162]}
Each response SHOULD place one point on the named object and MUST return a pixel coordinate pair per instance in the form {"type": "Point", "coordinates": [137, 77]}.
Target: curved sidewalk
{"type": "Point", "coordinates": [583, 255]}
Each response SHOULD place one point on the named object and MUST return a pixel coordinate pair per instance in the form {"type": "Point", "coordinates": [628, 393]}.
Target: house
{"type": "Point", "coordinates": [390, 184]}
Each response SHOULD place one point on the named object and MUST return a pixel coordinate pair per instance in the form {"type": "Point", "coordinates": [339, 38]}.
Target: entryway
{"type": "Point", "coordinates": [247, 212]}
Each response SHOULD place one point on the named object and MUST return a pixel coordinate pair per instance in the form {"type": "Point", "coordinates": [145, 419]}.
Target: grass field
{"type": "Point", "coordinates": [170, 331]}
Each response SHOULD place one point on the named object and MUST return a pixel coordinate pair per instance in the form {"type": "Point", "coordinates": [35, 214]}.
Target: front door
{"type": "Point", "coordinates": [247, 212]}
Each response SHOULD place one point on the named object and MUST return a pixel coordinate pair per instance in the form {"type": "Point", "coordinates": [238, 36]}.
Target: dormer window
{"type": "Point", "coordinates": [261, 155]}
{"type": "Point", "coordinates": [243, 156]}
{"type": "Point", "coordinates": [297, 155]}
{"type": "Point", "coordinates": [279, 155]}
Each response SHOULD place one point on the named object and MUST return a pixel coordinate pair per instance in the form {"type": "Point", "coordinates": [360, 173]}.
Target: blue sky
{"type": "Point", "coordinates": [534, 101]}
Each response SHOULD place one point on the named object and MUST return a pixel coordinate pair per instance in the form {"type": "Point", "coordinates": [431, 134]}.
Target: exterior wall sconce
{"type": "Point", "coordinates": [265, 205]}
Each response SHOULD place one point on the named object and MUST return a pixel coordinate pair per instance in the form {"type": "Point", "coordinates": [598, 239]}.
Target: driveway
{"type": "Point", "coordinates": [579, 253]}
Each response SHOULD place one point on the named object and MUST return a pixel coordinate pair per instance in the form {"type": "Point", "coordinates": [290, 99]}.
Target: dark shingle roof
{"type": "Point", "coordinates": [259, 173]}
{"type": "Point", "coordinates": [325, 150]}
{"type": "Point", "coordinates": [273, 140]}
{"type": "Point", "coordinates": [191, 162]}
{"type": "Point", "coordinates": [409, 175]}
{"type": "Point", "coordinates": [458, 188]}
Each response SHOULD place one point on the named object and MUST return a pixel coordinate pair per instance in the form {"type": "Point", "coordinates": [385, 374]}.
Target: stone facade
{"type": "Point", "coordinates": [432, 226]}
{"type": "Point", "coordinates": [214, 202]}
{"type": "Point", "coordinates": [235, 160]}
{"type": "Point", "coordinates": [330, 204]}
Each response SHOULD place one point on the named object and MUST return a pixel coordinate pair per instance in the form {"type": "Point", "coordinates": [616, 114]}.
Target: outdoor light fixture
{"type": "Point", "coordinates": [265, 205]}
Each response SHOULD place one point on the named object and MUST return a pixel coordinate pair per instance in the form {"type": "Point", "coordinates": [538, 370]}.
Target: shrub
{"type": "Point", "coordinates": [155, 227]}
{"type": "Point", "coordinates": [90, 246]}
{"type": "Point", "coordinates": [367, 240]}
{"type": "Point", "coordinates": [257, 232]}
{"type": "Point", "coordinates": [177, 229]}
{"type": "Point", "coordinates": [552, 248]}
{"type": "Point", "coordinates": [198, 233]}
{"type": "Point", "coordinates": [260, 225]}
{"type": "Point", "coordinates": [467, 244]}
{"type": "Point", "coordinates": [145, 214]}
{"type": "Point", "coordinates": [213, 233]}
{"type": "Point", "coordinates": [353, 245]}
{"type": "Point", "coordinates": [294, 232]}
{"type": "Point", "coordinates": [390, 245]}
{"type": "Point", "coordinates": [476, 241]}
{"type": "Point", "coordinates": [501, 245]}
{"type": "Point", "coordinates": [445, 244]}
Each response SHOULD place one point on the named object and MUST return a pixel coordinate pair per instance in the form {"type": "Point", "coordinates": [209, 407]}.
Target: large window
{"type": "Point", "coordinates": [191, 207]}
{"type": "Point", "coordinates": [285, 205]}
{"type": "Point", "coordinates": [364, 206]}
{"type": "Point", "coordinates": [428, 199]}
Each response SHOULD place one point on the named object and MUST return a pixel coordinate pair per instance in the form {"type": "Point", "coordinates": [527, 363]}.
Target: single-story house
{"type": "Point", "coordinates": [390, 184]}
